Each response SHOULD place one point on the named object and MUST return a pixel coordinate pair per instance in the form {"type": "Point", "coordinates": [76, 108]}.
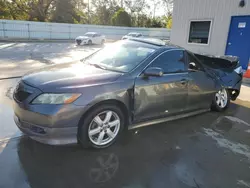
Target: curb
{"type": "Point", "coordinates": [246, 80]}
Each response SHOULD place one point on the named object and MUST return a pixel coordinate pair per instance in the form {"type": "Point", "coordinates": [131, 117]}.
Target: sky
{"type": "Point", "coordinates": [159, 9]}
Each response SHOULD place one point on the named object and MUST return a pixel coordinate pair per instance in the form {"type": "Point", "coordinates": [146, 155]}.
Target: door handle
{"type": "Point", "coordinates": [183, 81]}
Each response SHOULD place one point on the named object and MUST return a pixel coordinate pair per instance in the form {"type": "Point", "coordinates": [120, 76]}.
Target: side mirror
{"type": "Point", "coordinates": [192, 66]}
{"type": "Point", "coordinates": [153, 71]}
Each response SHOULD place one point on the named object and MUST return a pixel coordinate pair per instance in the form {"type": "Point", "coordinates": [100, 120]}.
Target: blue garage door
{"type": "Point", "coordinates": [238, 43]}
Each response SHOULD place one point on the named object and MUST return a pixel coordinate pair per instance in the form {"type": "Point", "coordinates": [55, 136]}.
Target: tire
{"type": "Point", "coordinates": [97, 135]}
{"type": "Point", "coordinates": [102, 42]}
{"type": "Point", "coordinates": [90, 42]}
{"type": "Point", "coordinates": [221, 106]}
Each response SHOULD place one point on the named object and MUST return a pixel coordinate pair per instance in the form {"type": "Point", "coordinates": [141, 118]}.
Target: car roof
{"type": "Point", "coordinates": [155, 42]}
{"type": "Point", "coordinates": [134, 33]}
{"type": "Point", "coordinates": [91, 33]}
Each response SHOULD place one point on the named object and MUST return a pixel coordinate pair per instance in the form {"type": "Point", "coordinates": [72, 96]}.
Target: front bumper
{"type": "Point", "coordinates": [51, 136]}
{"type": "Point", "coordinates": [55, 126]}
{"type": "Point", "coordinates": [81, 42]}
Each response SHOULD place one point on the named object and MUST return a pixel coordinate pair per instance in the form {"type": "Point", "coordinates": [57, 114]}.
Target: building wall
{"type": "Point", "coordinates": [219, 11]}
{"type": "Point", "coordinates": [12, 29]}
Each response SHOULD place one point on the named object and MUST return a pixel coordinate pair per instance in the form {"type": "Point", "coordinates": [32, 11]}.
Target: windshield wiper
{"type": "Point", "coordinates": [98, 66]}
{"type": "Point", "coordinates": [105, 68]}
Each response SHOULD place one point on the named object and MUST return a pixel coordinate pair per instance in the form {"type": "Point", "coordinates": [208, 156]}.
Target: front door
{"type": "Point", "coordinates": [238, 43]}
{"type": "Point", "coordinates": [156, 97]}
{"type": "Point", "coordinates": [201, 86]}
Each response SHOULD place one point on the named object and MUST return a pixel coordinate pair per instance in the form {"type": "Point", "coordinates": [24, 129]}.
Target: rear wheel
{"type": "Point", "coordinates": [102, 42]}
{"type": "Point", "coordinates": [101, 127]}
{"type": "Point", "coordinates": [221, 100]}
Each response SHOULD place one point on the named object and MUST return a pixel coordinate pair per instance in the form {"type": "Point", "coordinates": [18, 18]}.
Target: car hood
{"type": "Point", "coordinates": [69, 76]}
{"type": "Point", "coordinates": [126, 36]}
{"type": "Point", "coordinates": [82, 37]}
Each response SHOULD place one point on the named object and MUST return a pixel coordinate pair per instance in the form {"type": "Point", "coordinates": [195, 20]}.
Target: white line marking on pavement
{"type": "Point", "coordinates": [235, 147]}
{"type": "Point", "coordinates": [6, 45]}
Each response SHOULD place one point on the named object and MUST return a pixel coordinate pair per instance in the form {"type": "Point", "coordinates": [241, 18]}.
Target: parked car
{"type": "Point", "coordinates": [90, 38]}
{"type": "Point", "coordinates": [128, 84]}
{"type": "Point", "coordinates": [132, 35]}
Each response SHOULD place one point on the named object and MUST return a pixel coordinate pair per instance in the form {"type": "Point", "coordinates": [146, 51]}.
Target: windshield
{"type": "Point", "coordinates": [122, 56]}
{"type": "Point", "coordinates": [88, 34]}
{"type": "Point", "coordinates": [132, 34]}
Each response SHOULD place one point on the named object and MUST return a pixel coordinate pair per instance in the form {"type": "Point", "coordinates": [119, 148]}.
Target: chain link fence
{"type": "Point", "coordinates": [11, 29]}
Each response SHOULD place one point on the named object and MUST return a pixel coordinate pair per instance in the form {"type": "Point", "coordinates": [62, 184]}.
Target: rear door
{"type": "Point", "coordinates": [98, 38]}
{"type": "Point", "coordinates": [95, 39]}
{"type": "Point", "coordinates": [201, 87]}
{"type": "Point", "coordinates": [166, 95]}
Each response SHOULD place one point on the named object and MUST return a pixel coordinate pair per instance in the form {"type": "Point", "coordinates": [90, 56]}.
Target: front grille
{"type": "Point", "coordinates": [78, 41]}
{"type": "Point", "coordinates": [20, 95]}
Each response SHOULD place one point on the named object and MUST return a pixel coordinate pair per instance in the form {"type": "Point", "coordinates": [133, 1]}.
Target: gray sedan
{"type": "Point", "coordinates": [129, 84]}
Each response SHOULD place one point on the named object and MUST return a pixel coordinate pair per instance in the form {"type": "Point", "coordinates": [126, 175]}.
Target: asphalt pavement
{"type": "Point", "coordinates": [16, 59]}
{"type": "Point", "coordinates": [211, 150]}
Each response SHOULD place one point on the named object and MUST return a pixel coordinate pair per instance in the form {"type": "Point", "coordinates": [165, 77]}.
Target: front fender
{"type": "Point", "coordinates": [119, 90]}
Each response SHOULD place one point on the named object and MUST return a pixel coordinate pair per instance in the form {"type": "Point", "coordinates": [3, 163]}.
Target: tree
{"type": "Point", "coordinates": [136, 7]}
{"type": "Point", "coordinates": [33, 10]}
{"type": "Point", "coordinates": [168, 6]}
{"type": "Point", "coordinates": [144, 20]}
{"type": "Point", "coordinates": [103, 11]}
{"type": "Point", "coordinates": [4, 10]}
{"type": "Point", "coordinates": [157, 22]}
{"type": "Point", "coordinates": [37, 10]}
{"type": "Point", "coordinates": [169, 22]}
{"type": "Point", "coordinates": [121, 18]}
{"type": "Point", "coordinates": [63, 12]}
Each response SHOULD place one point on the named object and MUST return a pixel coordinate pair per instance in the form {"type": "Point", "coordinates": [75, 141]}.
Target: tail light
{"type": "Point", "coordinates": [239, 70]}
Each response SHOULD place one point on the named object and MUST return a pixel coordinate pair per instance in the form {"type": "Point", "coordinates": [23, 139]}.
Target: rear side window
{"type": "Point", "coordinates": [171, 62]}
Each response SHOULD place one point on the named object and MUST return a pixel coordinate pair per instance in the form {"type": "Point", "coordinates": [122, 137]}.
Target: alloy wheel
{"type": "Point", "coordinates": [221, 98]}
{"type": "Point", "coordinates": [104, 128]}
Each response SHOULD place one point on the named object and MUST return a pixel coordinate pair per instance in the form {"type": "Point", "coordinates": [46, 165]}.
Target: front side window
{"type": "Point", "coordinates": [89, 34]}
{"type": "Point", "coordinates": [199, 32]}
{"type": "Point", "coordinates": [122, 56]}
{"type": "Point", "coordinates": [132, 34]}
{"type": "Point", "coordinates": [171, 62]}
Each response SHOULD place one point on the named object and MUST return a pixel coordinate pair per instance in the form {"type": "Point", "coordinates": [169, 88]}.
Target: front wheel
{"type": "Point", "coordinates": [221, 100]}
{"type": "Point", "coordinates": [101, 127]}
{"type": "Point", "coordinates": [89, 42]}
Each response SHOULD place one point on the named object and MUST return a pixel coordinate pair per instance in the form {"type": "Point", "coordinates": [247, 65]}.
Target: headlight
{"type": "Point", "coordinates": [53, 98]}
